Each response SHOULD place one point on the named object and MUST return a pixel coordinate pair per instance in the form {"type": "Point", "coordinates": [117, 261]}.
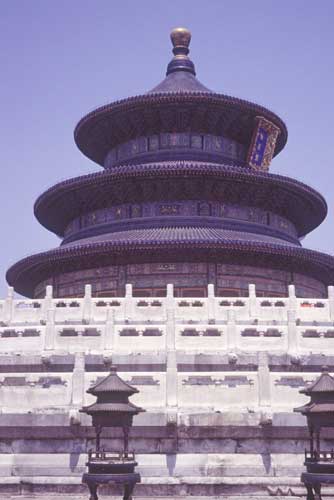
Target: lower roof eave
{"type": "Point", "coordinates": [28, 272]}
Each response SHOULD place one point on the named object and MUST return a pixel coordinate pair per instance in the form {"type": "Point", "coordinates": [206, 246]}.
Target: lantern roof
{"type": "Point", "coordinates": [314, 408]}
{"type": "Point", "coordinates": [112, 407]}
{"type": "Point", "coordinates": [112, 383]}
{"type": "Point", "coordinates": [321, 393]}
{"type": "Point", "coordinates": [325, 383]}
{"type": "Point", "coordinates": [112, 397]}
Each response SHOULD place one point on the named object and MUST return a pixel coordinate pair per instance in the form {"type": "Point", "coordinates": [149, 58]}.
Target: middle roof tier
{"type": "Point", "coordinates": [217, 187]}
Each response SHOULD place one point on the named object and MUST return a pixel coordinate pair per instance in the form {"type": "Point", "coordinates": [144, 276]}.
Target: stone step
{"type": "Point", "coordinates": [85, 497]}
{"type": "Point", "coordinates": [196, 488]}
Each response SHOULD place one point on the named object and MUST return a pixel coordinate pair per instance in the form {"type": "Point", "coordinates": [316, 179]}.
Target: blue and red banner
{"type": "Point", "coordinates": [263, 143]}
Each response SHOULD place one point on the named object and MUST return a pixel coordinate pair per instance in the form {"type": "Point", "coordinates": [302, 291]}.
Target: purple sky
{"type": "Point", "coordinates": [59, 59]}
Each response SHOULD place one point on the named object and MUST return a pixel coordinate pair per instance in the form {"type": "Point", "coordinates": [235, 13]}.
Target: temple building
{"type": "Point", "coordinates": [181, 265]}
{"type": "Point", "coordinates": [185, 197]}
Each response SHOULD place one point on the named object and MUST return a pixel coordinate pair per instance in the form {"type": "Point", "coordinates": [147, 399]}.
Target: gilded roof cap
{"type": "Point", "coordinates": [180, 38]}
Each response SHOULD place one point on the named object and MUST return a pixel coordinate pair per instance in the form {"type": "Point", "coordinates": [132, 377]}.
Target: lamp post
{"type": "Point", "coordinates": [112, 409]}
{"type": "Point", "coordinates": [319, 412]}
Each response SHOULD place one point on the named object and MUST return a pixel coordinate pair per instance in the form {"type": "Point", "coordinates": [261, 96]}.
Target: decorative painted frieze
{"type": "Point", "coordinates": [174, 141]}
{"type": "Point", "coordinates": [142, 380]}
{"type": "Point", "coordinates": [294, 382]}
{"type": "Point", "coordinates": [230, 381]}
{"type": "Point", "coordinates": [44, 382]}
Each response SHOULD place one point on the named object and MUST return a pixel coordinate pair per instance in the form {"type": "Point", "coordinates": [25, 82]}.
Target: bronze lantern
{"type": "Point", "coordinates": [319, 412]}
{"type": "Point", "coordinates": [112, 409]}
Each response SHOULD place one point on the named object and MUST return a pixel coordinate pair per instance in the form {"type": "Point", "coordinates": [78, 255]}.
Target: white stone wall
{"type": "Point", "coordinates": [219, 378]}
{"type": "Point", "coordinates": [172, 328]}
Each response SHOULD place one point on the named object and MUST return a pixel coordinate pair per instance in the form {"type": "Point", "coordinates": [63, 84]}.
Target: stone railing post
{"type": "Point", "coordinates": [109, 331]}
{"type": "Point", "coordinates": [264, 380]}
{"type": "Point", "coordinates": [78, 380]}
{"type": "Point", "coordinates": [170, 329]}
{"type": "Point", "coordinates": [171, 368]}
{"type": "Point", "coordinates": [171, 381]}
{"type": "Point", "coordinates": [50, 330]}
{"type": "Point", "coordinates": [47, 302]}
{"type": "Point", "coordinates": [87, 305]}
{"type": "Point", "coordinates": [211, 302]}
{"type": "Point", "coordinates": [8, 305]}
{"type": "Point", "coordinates": [292, 298]}
{"type": "Point", "coordinates": [253, 311]}
{"type": "Point", "coordinates": [292, 332]}
{"type": "Point", "coordinates": [264, 388]}
{"type": "Point", "coordinates": [291, 319]}
{"type": "Point", "coordinates": [331, 302]}
{"type": "Point", "coordinates": [170, 297]}
{"type": "Point", "coordinates": [128, 303]}
{"type": "Point", "coordinates": [231, 331]}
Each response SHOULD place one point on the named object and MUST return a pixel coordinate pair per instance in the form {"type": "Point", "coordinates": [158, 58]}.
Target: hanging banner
{"type": "Point", "coordinates": [263, 143]}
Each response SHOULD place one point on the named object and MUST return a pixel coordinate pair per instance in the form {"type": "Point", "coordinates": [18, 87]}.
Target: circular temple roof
{"type": "Point", "coordinates": [179, 103]}
{"type": "Point", "coordinates": [59, 205]}
{"type": "Point", "coordinates": [28, 272]}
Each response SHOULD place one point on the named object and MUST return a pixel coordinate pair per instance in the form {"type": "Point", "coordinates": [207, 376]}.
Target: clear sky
{"type": "Point", "coordinates": [61, 58]}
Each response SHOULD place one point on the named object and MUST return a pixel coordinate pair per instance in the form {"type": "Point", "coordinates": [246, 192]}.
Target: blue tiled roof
{"type": "Point", "coordinates": [179, 234]}
{"type": "Point", "coordinates": [180, 81]}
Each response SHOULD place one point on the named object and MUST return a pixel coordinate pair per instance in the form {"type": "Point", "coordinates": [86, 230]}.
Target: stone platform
{"type": "Point", "coordinates": [219, 378]}
{"type": "Point", "coordinates": [32, 490]}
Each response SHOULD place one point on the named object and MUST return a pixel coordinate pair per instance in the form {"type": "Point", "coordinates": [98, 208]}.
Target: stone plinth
{"type": "Point", "coordinates": [219, 378]}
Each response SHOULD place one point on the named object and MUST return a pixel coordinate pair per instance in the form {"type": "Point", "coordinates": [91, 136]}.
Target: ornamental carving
{"type": "Point", "coordinates": [169, 209]}
{"type": "Point", "coordinates": [231, 381]}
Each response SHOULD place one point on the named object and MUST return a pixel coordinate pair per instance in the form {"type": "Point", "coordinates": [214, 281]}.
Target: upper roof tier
{"type": "Point", "coordinates": [180, 103]}
{"type": "Point", "coordinates": [181, 73]}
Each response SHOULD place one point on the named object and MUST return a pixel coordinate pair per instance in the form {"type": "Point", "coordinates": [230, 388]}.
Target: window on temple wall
{"type": "Point", "coordinates": [142, 292]}
{"type": "Point", "coordinates": [228, 292]}
{"type": "Point", "coordinates": [190, 292]}
{"type": "Point", "coordinates": [106, 293]}
{"type": "Point", "coordinates": [268, 219]}
{"type": "Point", "coordinates": [135, 211]}
{"type": "Point", "coordinates": [150, 292]}
{"type": "Point", "coordinates": [204, 209]}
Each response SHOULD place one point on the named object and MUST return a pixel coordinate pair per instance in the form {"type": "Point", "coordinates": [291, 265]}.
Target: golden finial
{"type": "Point", "coordinates": [180, 39]}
